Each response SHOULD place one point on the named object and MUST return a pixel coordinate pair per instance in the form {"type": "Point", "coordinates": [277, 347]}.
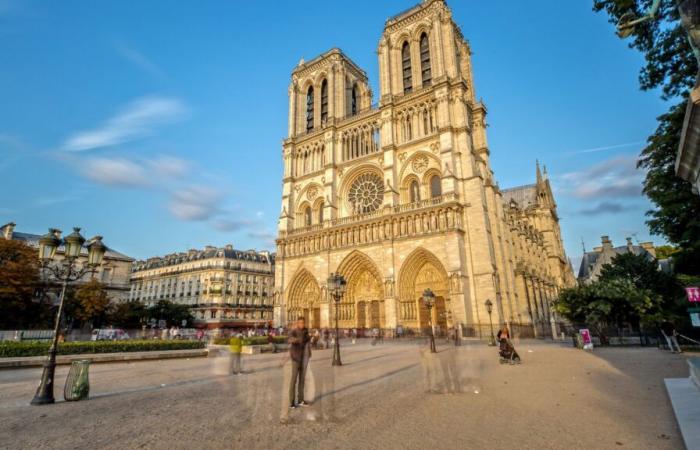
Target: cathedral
{"type": "Point", "coordinates": [399, 196]}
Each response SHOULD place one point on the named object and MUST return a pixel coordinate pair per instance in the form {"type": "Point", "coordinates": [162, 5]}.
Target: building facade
{"type": "Point", "coordinates": [113, 273]}
{"type": "Point", "coordinates": [592, 262]}
{"type": "Point", "coordinates": [224, 287]}
{"type": "Point", "coordinates": [400, 197]}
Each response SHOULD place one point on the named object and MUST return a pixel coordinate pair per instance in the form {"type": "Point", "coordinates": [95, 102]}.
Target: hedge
{"type": "Point", "coordinates": [11, 349]}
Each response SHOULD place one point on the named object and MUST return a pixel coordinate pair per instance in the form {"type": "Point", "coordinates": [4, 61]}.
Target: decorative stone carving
{"type": "Point", "coordinates": [435, 147]}
{"type": "Point", "coordinates": [402, 156]}
{"type": "Point", "coordinates": [366, 193]}
{"type": "Point", "coordinates": [312, 192]}
{"type": "Point", "coordinates": [420, 163]}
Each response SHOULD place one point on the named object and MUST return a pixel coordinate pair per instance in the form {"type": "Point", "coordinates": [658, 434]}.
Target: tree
{"type": "Point", "coordinates": [128, 315]}
{"type": "Point", "coordinates": [19, 279]}
{"type": "Point", "coordinates": [172, 313]}
{"type": "Point", "coordinates": [666, 251]}
{"type": "Point", "coordinates": [671, 66]}
{"type": "Point", "coordinates": [88, 305]}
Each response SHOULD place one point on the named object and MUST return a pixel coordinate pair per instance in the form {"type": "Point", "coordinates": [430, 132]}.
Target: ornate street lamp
{"type": "Point", "coordinates": [336, 287]}
{"type": "Point", "coordinates": [66, 271]}
{"type": "Point", "coordinates": [489, 309]}
{"type": "Point", "coordinates": [429, 301]}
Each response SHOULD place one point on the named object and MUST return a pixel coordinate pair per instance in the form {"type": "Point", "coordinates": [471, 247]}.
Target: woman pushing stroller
{"type": "Point", "coordinates": [506, 351]}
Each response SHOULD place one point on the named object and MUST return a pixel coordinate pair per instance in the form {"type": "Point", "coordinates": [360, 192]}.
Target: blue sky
{"type": "Point", "coordinates": [159, 124]}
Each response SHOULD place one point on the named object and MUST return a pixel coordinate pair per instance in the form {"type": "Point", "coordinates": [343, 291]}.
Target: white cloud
{"type": "Point", "coordinates": [139, 60]}
{"type": "Point", "coordinates": [135, 121]}
{"type": "Point", "coordinates": [615, 177]}
{"type": "Point", "coordinates": [603, 148]}
{"type": "Point", "coordinates": [114, 172]}
{"type": "Point", "coordinates": [195, 203]}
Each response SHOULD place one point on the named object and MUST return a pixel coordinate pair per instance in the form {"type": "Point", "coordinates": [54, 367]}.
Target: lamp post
{"type": "Point", "coordinates": [66, 271]}
{"type": "Point", "coordinates": [429, 301]}
{"type": "Point", "coordinates": [489, 309]}
{"type": "Point", "coordinates": [336, 287]}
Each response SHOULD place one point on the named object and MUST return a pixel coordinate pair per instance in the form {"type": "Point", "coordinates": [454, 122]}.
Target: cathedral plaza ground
{"type": "Point", "coordinates": [560, 397]}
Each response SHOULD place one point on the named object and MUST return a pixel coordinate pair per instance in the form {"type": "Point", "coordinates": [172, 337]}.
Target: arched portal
{"type": "Point", "coordinates": [303, 299]}
{"type": "Point", "coordinates": [363, 303]}
{"type": "Point", "coordinates": [420, 271]}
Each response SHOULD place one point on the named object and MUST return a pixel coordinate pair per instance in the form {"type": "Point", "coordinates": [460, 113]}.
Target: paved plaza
{"type": "Point", "coordinates": [387, 396]}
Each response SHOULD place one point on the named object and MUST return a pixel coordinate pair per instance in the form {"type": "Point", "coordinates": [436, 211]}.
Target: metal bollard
{"type": "Point", "coordinates": [78, 381]}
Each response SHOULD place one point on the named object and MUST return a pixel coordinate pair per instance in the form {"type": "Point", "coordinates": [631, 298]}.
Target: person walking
{"type": "Point", "coordinates": [236, 347]}
{"type": "Point", "coordinates": [669, 332]}
{"type": "Point", "coordinates": [300, 353]}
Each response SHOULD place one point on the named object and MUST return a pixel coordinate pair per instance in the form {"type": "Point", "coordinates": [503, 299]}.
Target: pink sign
{"type": "Point", "coordinates": [586, 336]}
{"type": "Point", "coordinates": [693, 294]}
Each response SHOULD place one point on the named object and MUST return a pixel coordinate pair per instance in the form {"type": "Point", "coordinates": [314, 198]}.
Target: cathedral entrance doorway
{"type": "Point", "coordinates": [364, 293]}
{"type": "Point", "coordinates": [422, 270]}
{"type": "Point", "coordinates": [303, 300]}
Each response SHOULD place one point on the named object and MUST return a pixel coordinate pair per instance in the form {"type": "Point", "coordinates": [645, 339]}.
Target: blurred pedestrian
{"type": "Point", "coordinates": [300, 353]}
{"type": "Point", "coordinates": [236, 348]}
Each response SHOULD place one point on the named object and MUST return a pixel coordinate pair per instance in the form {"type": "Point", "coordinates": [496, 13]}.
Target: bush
{"type": "Point", "coordinates": [10, 349]}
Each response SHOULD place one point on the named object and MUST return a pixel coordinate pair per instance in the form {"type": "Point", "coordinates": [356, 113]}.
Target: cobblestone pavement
{"type": "Point", "coordinates": [392, 395]}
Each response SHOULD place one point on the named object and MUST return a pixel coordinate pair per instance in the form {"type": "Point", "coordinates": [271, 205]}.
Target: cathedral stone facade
{"type": "Point", "coordinates": [401, 197]}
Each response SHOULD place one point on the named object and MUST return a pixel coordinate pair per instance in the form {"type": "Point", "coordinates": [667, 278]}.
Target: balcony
{"type": "Point", "coordinates": [431, 216]}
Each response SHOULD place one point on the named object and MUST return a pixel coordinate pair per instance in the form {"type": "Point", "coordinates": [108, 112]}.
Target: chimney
{"type": "Point", "coordinates": [228, 247]}
{"type": "Point", "coordinates": [630, 247]}
{"type": "Point", "coordinates": [607, 243]}
{"type": "Point", "coordinates": [8, 230]}
{"type": "Point", "coordinates": [649, 246]}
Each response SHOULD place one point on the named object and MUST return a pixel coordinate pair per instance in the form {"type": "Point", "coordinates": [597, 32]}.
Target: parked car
{"type": "Point", "coordinates": [109, 334]}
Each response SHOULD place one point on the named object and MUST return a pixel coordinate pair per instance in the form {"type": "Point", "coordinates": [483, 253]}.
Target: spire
{"type": "Point", "coordinates": [539, 173]}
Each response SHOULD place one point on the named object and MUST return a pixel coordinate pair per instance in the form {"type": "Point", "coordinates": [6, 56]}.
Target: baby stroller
{"type": "Point", "coordinates": [507, 353]}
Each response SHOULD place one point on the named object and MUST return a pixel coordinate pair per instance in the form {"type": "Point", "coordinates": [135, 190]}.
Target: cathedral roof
{"type": "Point", "coordinates": [523, 196]}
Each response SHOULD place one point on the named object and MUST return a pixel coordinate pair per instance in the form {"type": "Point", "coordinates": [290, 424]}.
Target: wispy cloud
{"type": "Point", "coordinates": [137, 120]}
{"type": "Point", "coordinates": [195, 203]}
{"type": "Point", "coordinates": [615, 177]}
{"type": "Point", "coordinates": [114, 172]}
{"type": "Point", "coordinates": [606, 207]}
{"type": "Point", "coordinates": [139, 60]}
{"type": "Point", "coordinates": [231, 225]}
{"type": "Point", "coordinates": [604, 148]}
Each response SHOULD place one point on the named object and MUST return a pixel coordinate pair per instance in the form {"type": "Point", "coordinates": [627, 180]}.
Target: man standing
{"type": "Point", "coordinates": [300, 353]}
{"type": "Point", "coordinates": [236, 347]}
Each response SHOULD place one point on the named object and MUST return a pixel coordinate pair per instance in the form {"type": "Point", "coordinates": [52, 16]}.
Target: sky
{"type": "Point", "coordinates": [159, 124]}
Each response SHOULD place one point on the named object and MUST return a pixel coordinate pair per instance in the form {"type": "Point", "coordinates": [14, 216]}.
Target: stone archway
{"type": "Point", "coordinates": [304, 299]}
{"type": "Point", "coordinates": [363, 303]}
{"type": "Point", "coordinates": [420, 271]}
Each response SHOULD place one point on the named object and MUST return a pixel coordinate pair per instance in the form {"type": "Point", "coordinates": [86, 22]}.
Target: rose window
{"type": "Point", "coordinates": [366, 193]}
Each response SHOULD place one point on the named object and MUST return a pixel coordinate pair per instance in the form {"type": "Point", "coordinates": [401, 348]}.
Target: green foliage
{"type": "Point", "coordinates": [13, 349]}
{"type": "Point", "coordinates": [666, 251]}
{"type": "Point", "coordinates": [127, 315]}
{"type": "Point", "coordinates": [671, 66]}
{"type": "Point", "coordinates": [172, 313]}
{"type": "Point", "coordinates": [631, 289]}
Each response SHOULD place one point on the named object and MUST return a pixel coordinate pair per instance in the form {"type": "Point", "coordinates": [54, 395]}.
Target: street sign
{"type": "Point", "coordinates": [693, 293]}
{"type": "Point", "coordinates": [695, 319]}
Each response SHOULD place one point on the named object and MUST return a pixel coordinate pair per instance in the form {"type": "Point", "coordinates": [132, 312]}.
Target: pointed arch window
{"type": "Point", "coordinates": [414, 191]}
{"type": "Point", "coordinates": [310, 109]}
{"type": "Point", "coordinates": [426, 74]}
{"type": "Point", "coordinates": [307, 216]}
{"type": "Point", "coordinates": [324, 101]}
{"type": "Point", "coordinates": [406, 67]}
{"type": "Point", "coordinates": [435, 186]}
{"type": "Point", "coordinates": [320, 213]}
{"type": "Point", "coordinates": [353, 100]}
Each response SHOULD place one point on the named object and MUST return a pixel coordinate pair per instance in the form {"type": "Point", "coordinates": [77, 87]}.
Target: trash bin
{"type": "Point", "coordinates": [78, 381]}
